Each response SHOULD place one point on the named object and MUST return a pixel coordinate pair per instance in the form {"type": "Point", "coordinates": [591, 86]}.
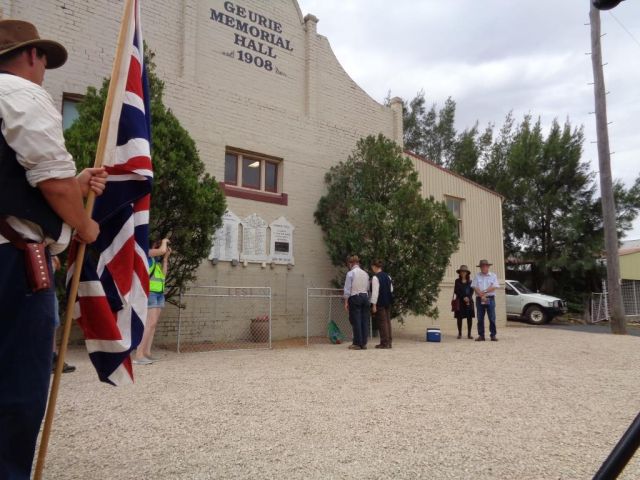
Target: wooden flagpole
{"type": "Point", "coordinates": [75, 280]}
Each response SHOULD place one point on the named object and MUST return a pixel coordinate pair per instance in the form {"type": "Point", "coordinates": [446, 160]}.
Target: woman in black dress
{"type": "Point", "coordinates": [463, 294]}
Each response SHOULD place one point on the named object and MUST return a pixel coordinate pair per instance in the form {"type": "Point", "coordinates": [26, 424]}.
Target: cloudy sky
{"type": "Point", "coordinates": [493, 57]}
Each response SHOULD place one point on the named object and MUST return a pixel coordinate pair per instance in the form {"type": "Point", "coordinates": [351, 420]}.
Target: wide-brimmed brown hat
{"type": "Point", "coordinates": [16, 34]}
{"type": "Point", "coordinates": [463, 268]}
{"type": "Point", "coordinates": [484, 262]}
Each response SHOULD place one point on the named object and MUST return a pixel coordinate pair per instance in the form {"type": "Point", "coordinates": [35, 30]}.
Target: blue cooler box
{"type": "Point", "coordinates": [433, 334]}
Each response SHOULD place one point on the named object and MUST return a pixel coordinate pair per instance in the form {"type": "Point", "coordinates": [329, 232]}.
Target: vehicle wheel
{"type": "Point", "coordinates": [536, 315]}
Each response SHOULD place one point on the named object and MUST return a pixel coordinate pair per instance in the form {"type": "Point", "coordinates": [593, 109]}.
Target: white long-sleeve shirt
{"type": "Point", "coordinates": [32, 127]}
{"type": "Point", "coordinates": [375, 289]}
{"type": "Point", "coordinates": [484, 282]}
{"type": "Point", "coordinates": [356, 282]}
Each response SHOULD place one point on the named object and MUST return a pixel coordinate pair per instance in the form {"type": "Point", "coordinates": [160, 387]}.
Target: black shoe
{"type": "Point", "coordinates": [459, 336]}
{"type": "Point", "coordinates": [66, 368]}
{"type": "Point", "coordinates": [494, 339]}
{"type": "Point", "coordinates": [380, 346]}
{"type": "Point", "coordinates": [480, 339]}
{"type": "Point", "coordinates": [364, 347]}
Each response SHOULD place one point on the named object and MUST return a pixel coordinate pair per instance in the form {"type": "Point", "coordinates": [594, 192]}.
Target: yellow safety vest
{"type": "Point", "coordinates": [156, 277]}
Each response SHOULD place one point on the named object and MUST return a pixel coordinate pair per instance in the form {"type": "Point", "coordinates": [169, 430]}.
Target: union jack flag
{"type": "Point", "coordinates": [111, 306]}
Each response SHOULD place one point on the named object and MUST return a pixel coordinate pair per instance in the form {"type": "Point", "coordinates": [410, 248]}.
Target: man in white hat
{"type": "Point", "coordinates": [485, 284]}
{"type": "Point", "coordinates": [41, 200]}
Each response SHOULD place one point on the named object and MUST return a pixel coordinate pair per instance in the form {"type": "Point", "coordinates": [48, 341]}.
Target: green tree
{"type": "Point", "coordinates": [627, 204]}
{"type": "Point", "coordinates": [373, 208]}
{"type": "Point", "coordinates": [470, 151]}
{"type": "Point", "coordinates": [550, 188]}
{"type": "Point", "coordinates": [552, 218]}
{"type": "Point", "coordinates": [430, 133]}
{"type": "Point", "coordinates": [187, 203]}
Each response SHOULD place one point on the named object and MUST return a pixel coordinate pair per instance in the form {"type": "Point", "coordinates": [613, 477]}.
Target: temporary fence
{"type": "Point", "coordinates": [223, 318]}
{"type": "Point", "coordinates": [601, 308]}
{"type": "Point", "coordinates": [631, 297]}
{"type": "Point", "coordinates": [326, 305]}
{"type": "Point", "coordinates": [327, 319]}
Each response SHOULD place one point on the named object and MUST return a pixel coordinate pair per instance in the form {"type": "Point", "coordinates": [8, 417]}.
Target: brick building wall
{"type": "Point", "coordinates": [302, 108]}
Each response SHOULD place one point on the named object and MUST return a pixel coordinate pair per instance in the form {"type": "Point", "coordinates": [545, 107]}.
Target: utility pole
{"type": "Point", "coordinates": [618, 321]}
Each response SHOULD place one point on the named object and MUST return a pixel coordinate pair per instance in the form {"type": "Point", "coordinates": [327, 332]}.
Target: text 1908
{"type": "Point", "coordinates": [256, 60]}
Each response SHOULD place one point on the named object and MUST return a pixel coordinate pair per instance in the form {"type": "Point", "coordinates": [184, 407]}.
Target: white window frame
{"type": "Point", "coordinates": [460, 202]}
{"type": "Point", "coordinates": [241, 155]}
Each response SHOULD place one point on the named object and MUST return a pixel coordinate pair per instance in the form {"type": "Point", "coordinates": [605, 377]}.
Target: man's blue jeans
{"type": "Point", "coordinates": [490, 309]}
{"type": "Point", "coordinates": [359, 318]}
{"type": "Point", "coordinates": [26, 346]}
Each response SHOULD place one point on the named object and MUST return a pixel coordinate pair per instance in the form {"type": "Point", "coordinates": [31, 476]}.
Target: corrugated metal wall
{"type": "Point", "coordinates": [481, 214]}
{"type": "Point", "coordinates": [630, 266]}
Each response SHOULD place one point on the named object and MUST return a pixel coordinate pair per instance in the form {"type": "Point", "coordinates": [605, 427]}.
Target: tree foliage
{"type": "Point", "coordinates": [187, 203]}
{"type": "Point", "coordinates": [373, 208]}
{"type": "Point", "coordinates": [429, 133]}
{"type": "Point", "coordinates": [551, 213]}
{"type": "Point", "coordinates": [549, 199]}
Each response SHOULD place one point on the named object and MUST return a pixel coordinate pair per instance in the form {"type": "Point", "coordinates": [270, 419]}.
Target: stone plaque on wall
{"type": "Point", "coordinates": [254, 239]}
{"type": "Point", "coordinates": [225, 239]}
{"type": "Point", "coordinates": [282, 241]}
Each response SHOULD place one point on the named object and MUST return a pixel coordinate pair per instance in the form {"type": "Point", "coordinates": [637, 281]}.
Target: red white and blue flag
{"type": "Point", "coordinates": [111, 306]}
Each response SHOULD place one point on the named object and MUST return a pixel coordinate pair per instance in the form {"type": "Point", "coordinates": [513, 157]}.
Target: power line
{"type": "Point", "coordinates": [625, 29]}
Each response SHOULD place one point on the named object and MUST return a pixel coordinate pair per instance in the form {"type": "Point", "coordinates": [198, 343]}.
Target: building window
{"type": "Point", "coordinates": [231, 169]}
{"type": "Point", "coordinates": [271, 176]}
{"type": "Point", "coordinates": [251, 169]}
{"type": "Point", "coordinates": [455, 206]}
{"type": "Point", "coordinates": [70, 113]}
{"type": "Point", "coordinates": [253, 176]}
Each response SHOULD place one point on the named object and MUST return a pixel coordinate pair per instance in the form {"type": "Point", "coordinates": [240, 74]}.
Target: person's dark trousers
{"type": "Point", "coordinates": [26, 346]}
{"type": "Point", "coordinates": [469, 324]}
{"type": "Point", "coordinates": [384, 323]}
{"type": "Point", "coordinates": [359, 318]}
{"type": "Point", "coordinates": [490, 309]}
{"type": "Point", "coordinates": [355, 326]}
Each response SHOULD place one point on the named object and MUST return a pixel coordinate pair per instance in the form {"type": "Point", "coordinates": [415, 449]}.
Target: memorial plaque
{"type": "Point", "coordinates": [282, 241]}
{"type": "Point", "coordinates": [225, 239]}
{"type": "Point", "coordinates": [254, 239]}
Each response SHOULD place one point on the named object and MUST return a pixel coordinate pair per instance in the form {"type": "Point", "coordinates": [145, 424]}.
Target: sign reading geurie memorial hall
{"type": "Point", "coordinates": [257, 37]}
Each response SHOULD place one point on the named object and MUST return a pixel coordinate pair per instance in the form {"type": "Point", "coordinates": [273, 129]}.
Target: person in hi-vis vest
{"type": "Point", "coordinates": [158, 266]}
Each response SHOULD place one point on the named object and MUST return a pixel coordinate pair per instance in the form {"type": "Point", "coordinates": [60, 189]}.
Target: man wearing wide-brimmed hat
{"type": "Point", "coordinates": [485, 284]}
{"type": "Point", "coordinates": [40, 201]}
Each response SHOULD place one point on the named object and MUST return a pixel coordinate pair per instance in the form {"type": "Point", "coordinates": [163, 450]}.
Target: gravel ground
{"type": "Point", "coordinates": [539, 404]}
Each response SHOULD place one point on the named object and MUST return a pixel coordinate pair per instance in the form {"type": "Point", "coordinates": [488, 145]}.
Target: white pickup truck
{"type": "Point", "coordinates": [536, 308]}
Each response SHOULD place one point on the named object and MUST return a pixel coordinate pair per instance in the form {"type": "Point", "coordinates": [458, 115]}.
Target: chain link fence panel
{"type": "Point", "coordinates": [222, 318]}
{"type": "Point", "coordinates": [631, 297]}
{"type": "Point", "coordinates": [601, 309]}
{"type": "Point", "coordinates": [323, 306]}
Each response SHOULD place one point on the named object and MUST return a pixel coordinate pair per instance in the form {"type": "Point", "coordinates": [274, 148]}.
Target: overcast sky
{"type": "Point", "coordinates": [493, 57]}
